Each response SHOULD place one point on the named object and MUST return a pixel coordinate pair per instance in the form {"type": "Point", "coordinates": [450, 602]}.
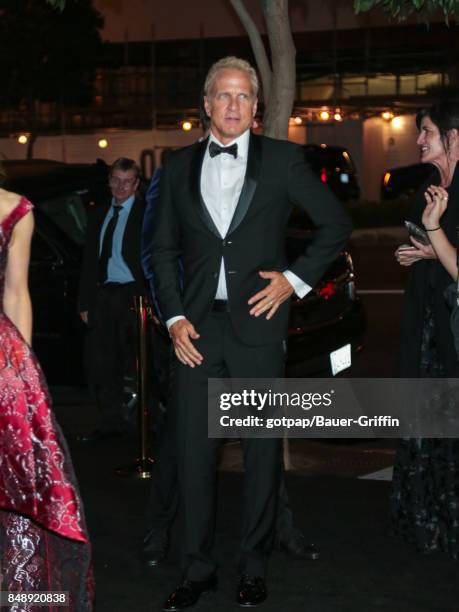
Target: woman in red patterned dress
{"type": "Point", "coordinates": [43, 538]}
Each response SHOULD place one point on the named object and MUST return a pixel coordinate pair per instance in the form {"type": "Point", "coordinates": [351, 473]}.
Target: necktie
{"type": "Point", "coordinates": [215, 149]}
{"type": "Point", "coordinates": [107, 244]}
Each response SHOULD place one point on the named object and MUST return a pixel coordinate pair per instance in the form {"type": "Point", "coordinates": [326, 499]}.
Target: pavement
{"type": "Point", "coordinates": [362, 567]}
{"type": "Point", "coordinates": [339, 496]}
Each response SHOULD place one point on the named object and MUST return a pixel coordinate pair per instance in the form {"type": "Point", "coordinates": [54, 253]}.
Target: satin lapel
{"type": "Point", "coordinates": [196, 196]}
{"type": "Point", "coordinates": [100, 214]}
{"type": "Point", "coordinates": [250, 182]}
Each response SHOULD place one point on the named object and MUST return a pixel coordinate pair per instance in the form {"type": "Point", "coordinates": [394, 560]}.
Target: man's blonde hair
{"type": "Point", "coordinates": [231, 63]}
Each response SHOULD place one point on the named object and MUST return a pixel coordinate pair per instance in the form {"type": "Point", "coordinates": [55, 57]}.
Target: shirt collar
{"type": "Point", "coordinates": [242, 142]}
{"type": "Point", "coordinates": [126, 205]}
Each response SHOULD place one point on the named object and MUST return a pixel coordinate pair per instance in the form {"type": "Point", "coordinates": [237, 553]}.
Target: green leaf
{"type": "Point", "coordinates": [401, 9]}
{"type": "Point", "coordinates": [364, 5]}
{"type": "Point", "coordinates": [58, 4]}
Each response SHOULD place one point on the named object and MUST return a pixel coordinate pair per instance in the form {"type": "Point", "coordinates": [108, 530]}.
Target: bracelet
{"type": "Point", "coordinates": [434, 229]}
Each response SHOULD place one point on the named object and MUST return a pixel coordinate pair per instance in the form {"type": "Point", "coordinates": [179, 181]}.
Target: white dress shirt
{"type": "Point", "coordinates": [222, 179]}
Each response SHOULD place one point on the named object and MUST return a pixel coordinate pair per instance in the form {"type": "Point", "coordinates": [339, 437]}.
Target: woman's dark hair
{"type": "Point", "coordinates": [2, 174]}
{"type": "Point", "coordinates": [445, 115]}
{"type": "Point", "coordinates": [424, 112]}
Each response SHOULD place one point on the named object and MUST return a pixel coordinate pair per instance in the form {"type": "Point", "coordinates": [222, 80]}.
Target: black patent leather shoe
{"type": "Point", "coordinates": [188, 594]}
{"type": "Point", "coordinates": [251, 591]}
{"type": "Point", "coordinates": [154, 549]}
{"type": "Point", "coordinates": [296, 546]}
{"type": "Point", "coordinates": [98, 435]}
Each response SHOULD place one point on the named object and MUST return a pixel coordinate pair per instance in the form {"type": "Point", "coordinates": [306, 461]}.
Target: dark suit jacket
{"type": "Point", "coordinates": [130, 250]}
{"type": "Point", "coordinates": [151, 200]}
{"type": "Point", "coordinates": [276, 177]}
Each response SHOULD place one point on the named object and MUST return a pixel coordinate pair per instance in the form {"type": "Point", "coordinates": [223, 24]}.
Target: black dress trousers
{"type": "Point", "coordinates": [224, 356]}
{"type": "Point", "coordinates": [111, 350]}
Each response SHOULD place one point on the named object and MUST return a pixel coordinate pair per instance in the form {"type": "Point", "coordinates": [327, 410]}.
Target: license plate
{"type": "Point", "coordinates": [340, 359]}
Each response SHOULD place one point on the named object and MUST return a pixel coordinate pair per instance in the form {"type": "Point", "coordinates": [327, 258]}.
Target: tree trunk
{"type": "Point", "coordinates": [283, 53]}
{"type": "Point", "coordinates": [278, 83]}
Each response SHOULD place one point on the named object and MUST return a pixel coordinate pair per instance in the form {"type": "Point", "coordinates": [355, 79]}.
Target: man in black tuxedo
{"type": "Point", "coordinates": [110, 277]}
{"type": "Point", "coordinates": [163, 501]}
{"type": "Point", "coordinates": [223, 209]}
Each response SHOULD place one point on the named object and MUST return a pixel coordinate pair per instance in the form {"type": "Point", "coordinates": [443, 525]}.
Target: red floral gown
{"type": "Point", "coordinates": [43, 539]}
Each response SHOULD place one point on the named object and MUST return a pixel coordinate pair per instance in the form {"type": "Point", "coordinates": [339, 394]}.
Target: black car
{"type": "Point", "coordinates": [405, 181]}
{"type": "Point", "coordinates": [61, 194]}
{"type": "Point", "coordinates": [327, 326]}
{"type": "Point", "coordinates": [327, 320]}
{"type": "Point", "coordinates": [335, 168]}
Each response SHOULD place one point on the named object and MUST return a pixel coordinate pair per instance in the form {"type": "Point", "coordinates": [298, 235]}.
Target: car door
{"type": "Point", "coordinates": [47, 284]}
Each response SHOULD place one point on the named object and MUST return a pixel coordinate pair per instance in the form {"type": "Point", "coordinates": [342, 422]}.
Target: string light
{"type": "Point", "coordinates": [103, 143]}
{"type": "Point", "coordinates": [387, 115]}
{"type": "Point", "coordinates": [324, 115]}
{"type": "Point", "coordinates": [186, 126]}
{"type": "Point", "coordinates": [22, 139]}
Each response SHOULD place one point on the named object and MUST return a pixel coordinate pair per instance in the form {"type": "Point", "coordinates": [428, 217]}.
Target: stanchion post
{"type": "Point", "coordinates": [143, 463]}
{"type": "Point", "coordinates": [141, 311]}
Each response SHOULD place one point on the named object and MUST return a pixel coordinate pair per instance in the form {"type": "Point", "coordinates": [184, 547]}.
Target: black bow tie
{"type": "Point", "coordinates": [215, 149]}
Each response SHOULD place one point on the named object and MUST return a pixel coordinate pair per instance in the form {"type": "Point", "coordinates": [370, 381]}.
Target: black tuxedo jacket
{"type": "Point", "coordinates": [131, 253]}
{"type": "Point", "coordinates": [276, 178]}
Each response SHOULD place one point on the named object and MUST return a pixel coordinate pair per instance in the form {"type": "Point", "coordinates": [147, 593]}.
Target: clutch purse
{"type": "Point", "coordinates": [419, 234]}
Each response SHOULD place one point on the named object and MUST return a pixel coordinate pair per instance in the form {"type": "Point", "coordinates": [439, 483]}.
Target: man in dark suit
{"type": "Point", "coordinates": [163, 501]}
{"type": "Point", "coordinates": [110, 277]}
{"type": "Point", "coordinates": [223, 208]}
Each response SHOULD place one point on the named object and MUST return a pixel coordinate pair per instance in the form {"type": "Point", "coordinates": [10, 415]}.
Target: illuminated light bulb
{"type": "Point", "coordinates": [324, 115]}
{"type": "Point", "coordinates": [397, 122]}
{"type": "Point", "coordinates": [298, 120]}
{"type": "Point", "coordinates": [22, 139]}
{"type": "Point", "coordinates": [103, 143]}
{"type": "Point", "coordinates": [338, 116]}
{"type": "Point", "coordinates": [387, 115]}
{"type": "Point", "coordinates": [186, 126]}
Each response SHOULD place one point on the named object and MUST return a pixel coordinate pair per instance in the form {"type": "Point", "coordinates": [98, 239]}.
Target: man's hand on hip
{"type": "Point", "coordinates": [271, 297]}
{"type": "Point", "coordinates": [182, 332]}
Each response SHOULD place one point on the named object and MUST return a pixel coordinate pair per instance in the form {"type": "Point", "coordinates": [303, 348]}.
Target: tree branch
{"type": "Point", "coordinates": [258, 47]}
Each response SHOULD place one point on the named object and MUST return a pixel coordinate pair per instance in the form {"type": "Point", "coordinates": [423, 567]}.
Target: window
{"type": "Point", "coordinates": [69, 214]}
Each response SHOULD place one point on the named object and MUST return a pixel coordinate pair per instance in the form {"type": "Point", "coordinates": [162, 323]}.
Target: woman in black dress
{"type": "Point", "coordinates": [425, 495]}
